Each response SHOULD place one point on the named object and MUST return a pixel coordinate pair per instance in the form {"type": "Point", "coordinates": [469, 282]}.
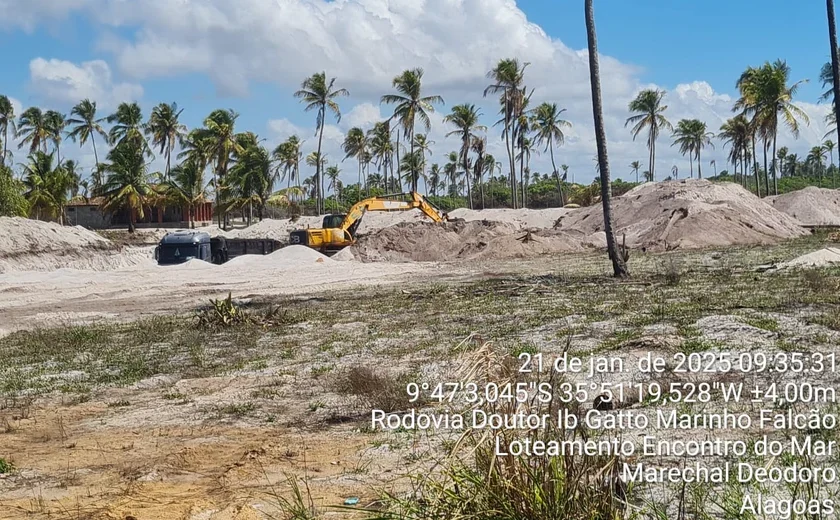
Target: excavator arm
{"type": "Point", "coordinates": [392, 203]}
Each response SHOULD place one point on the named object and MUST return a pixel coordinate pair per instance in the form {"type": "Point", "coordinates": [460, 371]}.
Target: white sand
{"type": "Point", "coordinates": [827, 256]}
{"type": "Point", "coordinates": [687, 214]}
{"type": "Point", "coordinates": [812, 206]}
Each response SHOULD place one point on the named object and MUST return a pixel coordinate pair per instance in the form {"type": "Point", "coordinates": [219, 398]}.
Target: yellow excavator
{"type": "Point", "coordinates": [339, 231]}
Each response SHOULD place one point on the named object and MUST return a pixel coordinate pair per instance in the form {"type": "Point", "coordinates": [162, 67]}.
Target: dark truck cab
{"type": "Point", "coordinates": [181, 246]}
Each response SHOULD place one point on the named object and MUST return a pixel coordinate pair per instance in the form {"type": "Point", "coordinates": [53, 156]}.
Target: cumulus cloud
{"type": "Point", "coordinates": [65, 82]}
{"type": "Point", "coordinates": [365, 43]}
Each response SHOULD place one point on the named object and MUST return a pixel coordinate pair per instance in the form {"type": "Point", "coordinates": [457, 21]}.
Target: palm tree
{"type": "Point", "coordinates": [251, 179]}
{"type": "Point", "coordinates": [411, 167]}
{"type": "Point", "coordinates": [355, 145]}
{"type": "Point", "coordinates": [288, 155]}
{"type": "Point", "coordinates": [7, 120]}
{"type": "Point", "coordinates": [320, 95]}
{"type": "Point", "coordinates": [507, 78]}
{"type": "Point", "coordinates": [782, 156]}
{"type": "Point", "coordinates": [127, 127]}
{"type": "Point", "coordinates": [649, 114]}
{"type": "Point", "coordinates": [411, 104]}
{"type": "Point", "coordinates": [736, 132]}
{"type": "Point", "coordinates": [127, 183]}
{"type": "Point", "coordinates": [56, 123]}
{"type": "Point", "coordinates": [47, 187]}
{"type": "Point", "coordinates": [83, 126]}
{"type": "Point", "coordinates": [713, 164]}
{"type": "Point", "coordinates": [618, 261]}
{"type": "Point", "coordinates": [332, 174]}
{"type": "Point", "coordinates": [482, 163]}
{"type": "Point", "coordinates": [548, 126]}
{"type": "Point", "coordinates": [219, 143]}
{"type": "Point", "coordinates": [422, 146]}
{"type": "Point", "coordinates": [565, 168]}
{"type": "Point", "coordinates": [828, 145]}
{"type": "Point", "coordinates": [465, 119]}
{"type": "Point", "coordinates": [34, 129]}
{"type": "Point", "coordinates": [186, 186]}
{"type": "Point", "coordinates": [434, 178]}
{"type": "Point", "coordinates": [780, 101]}
{"type": "Point", "coordinates": [635, 166]}
{"type": "Point", "coordinates": [816, 157]}
{"type": "Point", "coordinates": [381, 149]}
{"type": "Point", "coordinates": [451, 171]}
{"type": "Point", "coordinates": [165, 129]}
{"type": "Point", "coordinates": [675, 172]}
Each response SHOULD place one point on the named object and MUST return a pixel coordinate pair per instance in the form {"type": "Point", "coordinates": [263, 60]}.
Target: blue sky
{"type": "Point", "coordinates": [251, 55]}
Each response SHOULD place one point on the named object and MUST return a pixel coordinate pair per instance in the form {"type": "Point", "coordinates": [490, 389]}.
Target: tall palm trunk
{"type": "Point", "coordinates": [755, 169]}
{"type": "Point", "coordinates": [318, 192]}
{"type": "Point", "coordinates": [466, 159]}
{"type": "Point", "coordinates": [766, 174]}
{"type": "Point", "coordinates": [690, 166]}
{"type": "Point", "coordinates": [699, 165]}
{"type": "Point", "coordinates": [835, 61]}
{"type": "Point", "coordinates": [775, 183]}
{"type": "Point", "coordinates": [619, 265]}
{"type": "Point", "coordinates": [509, 150]}
{"type": "Point", "coordinates": [652, 154]}
{"type": "Point", "coordinates": [557, 175]}
{"type": "Point", "coordinates": [5, 144]}
{"type": "Point", "coordinates": [360, 178]}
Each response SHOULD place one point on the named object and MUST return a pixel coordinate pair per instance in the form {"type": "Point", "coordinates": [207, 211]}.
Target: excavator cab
{"type": "Point", "coordinates": [333, 221]}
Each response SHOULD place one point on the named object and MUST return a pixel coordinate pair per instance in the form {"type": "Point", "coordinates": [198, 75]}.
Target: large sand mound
{"type": "Point", "coordinates": [811, 206]}
{"type": "Point", "coordinates": [285, 258]}
{"type": "Point", "coordinates": [687, 214]}
{"type": "Point", "coordinates": [33, 245]}
{"type": "Point", "coordinates": [475, 240]}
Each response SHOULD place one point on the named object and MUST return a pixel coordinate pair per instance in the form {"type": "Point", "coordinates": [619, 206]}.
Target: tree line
{"type": "Point", "coordinates": [390, 157]}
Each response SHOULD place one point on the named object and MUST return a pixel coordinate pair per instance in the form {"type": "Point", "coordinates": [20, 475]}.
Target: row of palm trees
{"type": "Point", "coordinates": [765, 102]}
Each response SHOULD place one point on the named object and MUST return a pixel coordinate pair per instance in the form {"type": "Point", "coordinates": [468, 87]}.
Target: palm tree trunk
{"type": "Point", "coordinates": [467, 169]}
{"type": "Point", "coordinates": [699, 165]}
{"type": "Point", "coordinates": [691, 166]}
{"type": "Point", "coordinates": [522, 175]}
{"type": "Point", "coordinates": [619, 265]}
{"type": "Point", "coordinates": [755, 169]}
{"type": "Point", "coordinates": [360, 178]}
{"type": "Point", "coordinates": [652, 154]}
{"type": "Point", "coordinates": [775, 184]}
{"type": "Point", "coordinates": [766, 174]}
{"type": "Point", "coordinates": [5, 144]}
{"type": "Point", "coordinates": [556, 174]}
{"type": "Point", "coordinates": [168, 156]}
{"type": "Point", "coordinates": [835, 61]}
{"type": "Point", "coordinates": [508, 150]}
{"type": "Point", "coordinates": [318, 193]}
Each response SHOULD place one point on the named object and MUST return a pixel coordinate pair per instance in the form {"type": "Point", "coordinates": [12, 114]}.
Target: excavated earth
{"type": "Point", "coordinates": [685, 215]}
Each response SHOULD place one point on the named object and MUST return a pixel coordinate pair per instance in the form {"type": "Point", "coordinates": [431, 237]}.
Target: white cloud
{"type": "Point", "coordinates": [364, 44]}
{"type": "Point", "coordinates": [27, 14]}
{"type": "Point", "coordinates": [65, 82]}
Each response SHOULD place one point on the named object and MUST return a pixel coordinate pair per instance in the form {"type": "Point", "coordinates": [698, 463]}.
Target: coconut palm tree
{"type": "Point", "coordinates": [83, 126]}
{"type": "Point", "coordinates": [287, 155]}
{"type": "Point", "coordinates": [219, 142]}
{"type": "Point", "coordinates": [675, 172]}
{"type": "Point", "coordinates": [548, 128]}
{"type": "Point", "coordinates": [411, 167]}
{"type": "Point", "coordinates": [779, 99]}
{"type": "Point", "coordinates": [736, 133]}
{"type": "Point", "coordinates": [635, 166]}
{"type": "Point", "coordinates": [320, 95]}
{"type": "Point", "coordinates": [618, 261]}
{"type": "Point", "coordinates": [7, 121]}
{"type": "Point", "coordinates": [434, 178]}
{"type": "Point", "coordinates": [381, 149]}
{"type": "Point", "coordinates": [649, 112]}
{"type": "Point", "coordinates": [507, 79]}
{"type": "Point", "coordinates": [332, 173]}
{"type": "Point", "coordinates": [451, 172]}
{"type": "Point", "coordinates": [185, 186]}
{"type": "Point", "coordinates": [465, 118]}
{"type": "Point", "coordinates": [422, 145]}
{"type": "Point", "coordinates": [411, 105]}
{"type": "Point", "coordinates": [355, 145]}
{"type": "Point", "coordinates": [251, 178]}
{"type": "Point", "coordinates": [56, 123]}
{"type": "Point", "coordinates": [481, 164]}
{"type": "Point", "coordinates": [126, 185]}
{"type": "Point", "coordinates": [165, 129]}
{"type": "Point", "coordinates": [127, 127]}
{"type": "Point", "coordinates": [47, 187]}
{"type": "Point", "coordinates": [34, 130]}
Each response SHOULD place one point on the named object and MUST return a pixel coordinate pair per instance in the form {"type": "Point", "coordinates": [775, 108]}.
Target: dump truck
{"type": "Point", "coordinates": [183, 245]}
{"type": "Point", "coordinates": [339, 230]}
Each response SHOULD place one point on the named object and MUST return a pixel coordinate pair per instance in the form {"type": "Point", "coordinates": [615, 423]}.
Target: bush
{"type": "Point", "coordinates": [12, 202]}
{"type": "Point", "coordinates": [374, 391]}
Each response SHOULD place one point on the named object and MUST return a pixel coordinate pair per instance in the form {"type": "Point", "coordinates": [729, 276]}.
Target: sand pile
{"type": "Point", "coordinates": [686, 214]}
{"type": "Point", "coordinates": [520, 218]}
{"type": "Point", "coordinates": [32, 245]}
{"type": "Point", "coordinates": [827, 256]}
{"type": "Point", "coordinates": [475, 240]}
{"type": "Point", "coordinates": [811, 206]}
{"type": "Point", "coordinates": [286, 258]}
